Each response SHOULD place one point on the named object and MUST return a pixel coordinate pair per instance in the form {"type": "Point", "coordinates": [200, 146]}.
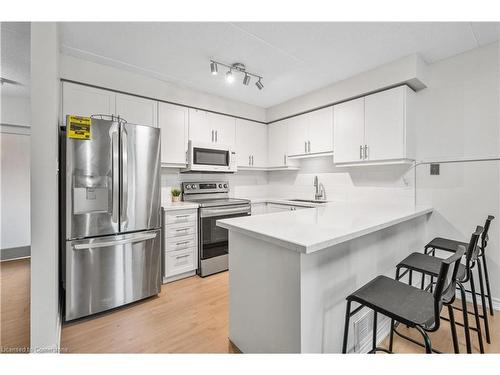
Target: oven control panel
{"type": "Point", "coordinates": [206, 187]}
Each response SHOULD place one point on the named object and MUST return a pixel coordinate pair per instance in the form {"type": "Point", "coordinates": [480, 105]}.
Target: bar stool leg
{"type": "Point", "coordinates": [483, 302]}
{"type": "Point", "coordinates": [487, 279]}
{"type": "Point", "coordinates": [453, 329]}
{"type": "Point", "coordinates": [476, 313]}
{"type": "Point", "coordinates": [374, 334]}
{"type": "Point", "coordinates": [391, 337]}
{"type": "Point", "coordinates": [466, 318]}
{"type": "Point", "coordinates": [427, 340]}
{"type": "Point", "coordinates": [346, 327]}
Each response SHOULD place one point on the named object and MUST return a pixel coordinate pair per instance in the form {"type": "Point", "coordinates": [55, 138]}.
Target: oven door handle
{"type": "Point", "coordinates": [210, 212]}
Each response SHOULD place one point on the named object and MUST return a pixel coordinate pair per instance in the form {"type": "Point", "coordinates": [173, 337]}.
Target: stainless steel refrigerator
{"type": "Point", "coordinates": [110, 224]}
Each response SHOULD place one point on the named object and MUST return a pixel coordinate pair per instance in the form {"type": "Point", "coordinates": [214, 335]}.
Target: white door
{"type": "Point", "coordinates": [83, 100]}
{"type": "Point", "coordinates": [199, 126]}
{"type": "Point", "coordinates": [348, 131]}
{"type": "Point", "coordinates": [224, 128]}
{"type": "Point", "coordinates": [173, 122]}
{"type": "Point", "coordinates": [277, 144]}
{"type": "Point", "coordinates": [297, 135]}
{"type": "Point", "coordinates": [137, 110]}
{"type": "Point", "coordinates": [384, 124]}
{"type": "Point", "coordinates": [320, 130]}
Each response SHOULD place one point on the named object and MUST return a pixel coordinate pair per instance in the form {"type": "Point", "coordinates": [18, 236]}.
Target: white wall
{"type": "Point", "coordinates": [411, 70]}
{"type": "Point", "coordinates": [92, 73]}
{"type": "Point", "coordinates": [458, 117]}
{"type": "Point", "coordinates": [45, 92]}
{"type": "Point", "coordinates": [16, 110]}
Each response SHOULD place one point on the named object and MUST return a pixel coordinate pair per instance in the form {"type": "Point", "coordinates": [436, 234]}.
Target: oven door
{"type": "Point", "coordinates": [214, 239]}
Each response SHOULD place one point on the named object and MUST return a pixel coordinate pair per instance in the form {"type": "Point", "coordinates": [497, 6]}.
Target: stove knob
{"type": "Point", "coordinates": [225, 186]}
{"type": "Point", "coordinates": [220, 186]}
{"type": "Point", "coordinates": [188, 187]}
{"type": "Point", "coordinates": [194, 186]}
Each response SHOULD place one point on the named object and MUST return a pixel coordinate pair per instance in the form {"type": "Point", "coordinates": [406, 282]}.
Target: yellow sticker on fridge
{"type": "Point", "coordinates": [79, 127]}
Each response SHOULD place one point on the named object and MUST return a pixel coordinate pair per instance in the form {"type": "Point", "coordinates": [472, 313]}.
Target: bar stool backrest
{"type": "Point", "coordinates": [446, 283]}
{"type": "Point", "coordinates": [485, 238]}
{"type": "Point", "coordinates": [471, 252]}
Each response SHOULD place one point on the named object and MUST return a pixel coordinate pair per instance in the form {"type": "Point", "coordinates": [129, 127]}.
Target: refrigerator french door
{"type": "Point", "coordinates": [112, 217]}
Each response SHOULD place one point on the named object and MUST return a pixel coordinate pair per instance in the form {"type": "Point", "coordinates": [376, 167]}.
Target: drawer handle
{"type": "Point", "coordinates": [182, 243]}
{"type": "Point", "coordinates": [181, 216]}
{"type": "Point", "coordinates": [182, 256]}
{"type": "Point", "coordinates": [182, 230]}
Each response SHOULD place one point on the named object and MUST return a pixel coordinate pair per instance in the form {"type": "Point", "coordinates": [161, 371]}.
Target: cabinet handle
{"type": "Point", "coordinates": [181, 216]}
{"type": "Point", "coordinates": [182, 243]}
{"type": "Point", "coordinates": [182, 256]}
{"type": "Point", "coordinates": [182, 230]}
{"type": "Point", "coordinates": [249, 160]}
{"type": "Point", "coordinates": [309, 146]}
{"type": "Point", "coordinates": [252, 160]}
{"type": "Point", "coordinates": [216, 136]}
{"type": "Point", "coordinates": [212, 135]}
{"type": "Point", "coordinates": [284, 159]}
{"type": "Point", "coordinates": [366, 151]}
{"type": "Point", "coordinates": [305, 147]}
{"type": "Point", "coordinates": [361, 152]}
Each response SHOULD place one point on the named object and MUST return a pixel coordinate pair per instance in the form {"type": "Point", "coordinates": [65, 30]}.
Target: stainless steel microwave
{"type": "Point", "coordinates": [209, 157]}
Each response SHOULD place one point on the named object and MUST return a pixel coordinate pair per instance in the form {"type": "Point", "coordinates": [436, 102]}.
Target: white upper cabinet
{"type": "Point", "coordinates": [207, 127]}
{"type": "Point", "coordinates": [277, 144]}
{"type": "Point", "coordinates": [375, 128]}
{"type": "Point", "coordinates": [86, 101]}
{"type": "Point", "coordinates": [311, 133]}
{"type": "Point", "coordinates": [348, 129]}
{"type": "Point", "coordinates": [251, 144]}
{"type": "Point", "coordinates": [320, 130]}
{"type": "Point", "coordinates": [297, 135]}
{"type": "Point", "coordinates": [173, 122]}
{"type": "Point", "coordinates": [224, 128]}
{"type": "Point", "coordinates": [136, 110]}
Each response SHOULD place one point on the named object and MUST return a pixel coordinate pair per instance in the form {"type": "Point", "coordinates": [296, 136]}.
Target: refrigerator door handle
{"type": "Point", "coordinates": [124, 185]}
{"type": "Point", "coordinates": [115, 182]}
{"type": "Point", "coordinates": [94, 245]}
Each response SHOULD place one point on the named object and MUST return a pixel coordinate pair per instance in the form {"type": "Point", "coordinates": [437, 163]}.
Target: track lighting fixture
{"type": "Point", "coordinates": [213, 68]}
{"type": "Point", "coordinates": [236, 67]}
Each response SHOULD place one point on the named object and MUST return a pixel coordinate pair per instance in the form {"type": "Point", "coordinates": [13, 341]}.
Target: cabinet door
{"type": "Point", "coordinates": [224, 127]}
{"type": "Point", "coordinates": [384, 124]}
{"type": "Point", "coordinates": [297, 135]}
{"type": "Point", "coordinates": [320, 130]}
{"type": "Point", "coordinates": [82, 100]}
{"type": "Point", "coordinates": [277, 144]}
{"type": "Point", "coordinates": [137, 110]}
{"type": "Point", "coordinates": [173, 122]}
{"type": "Point", "coordinates": [200, 129]}
{"type": "Point", "coordinates": [251, 143]}
{"type": "Point", "coordinates": [348, 131]}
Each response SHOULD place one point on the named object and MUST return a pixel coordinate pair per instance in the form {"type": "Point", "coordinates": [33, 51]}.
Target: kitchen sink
{"type": "Point", "coordinates": [308, 201]}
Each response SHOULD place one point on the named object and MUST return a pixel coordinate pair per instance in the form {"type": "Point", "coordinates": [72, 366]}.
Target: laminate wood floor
{"type": "Point", "coordinates": [188, 316]}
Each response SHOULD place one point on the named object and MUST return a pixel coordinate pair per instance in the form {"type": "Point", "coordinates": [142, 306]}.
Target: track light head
{"type": "Point", "coordinates": [246, 79]}
{"type": "Point", "coordinates": [259, 84]}
{"type": "Point", "coordinates": [213, 68]}
{"type": "Point", "coordinates": [229, 76]}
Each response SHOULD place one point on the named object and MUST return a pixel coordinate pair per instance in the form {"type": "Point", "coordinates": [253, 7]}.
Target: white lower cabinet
{"type": "Point", "coordinates": [180, 237]}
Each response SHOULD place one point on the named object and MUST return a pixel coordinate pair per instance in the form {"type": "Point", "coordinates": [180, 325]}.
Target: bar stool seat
{"type": "Point", "coordinates": [440, 243]}
{"type": "Point", "coordinates": [409, 305]}
{"type": "Point", "coordinates": [431, 265]}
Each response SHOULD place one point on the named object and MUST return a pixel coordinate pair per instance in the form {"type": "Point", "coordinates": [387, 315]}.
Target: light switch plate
{"type": "Point", "coordinates": [434, 169]}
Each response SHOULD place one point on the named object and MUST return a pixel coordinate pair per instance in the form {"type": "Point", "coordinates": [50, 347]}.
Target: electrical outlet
{"type": "Point", "coordinates": [434, 169]}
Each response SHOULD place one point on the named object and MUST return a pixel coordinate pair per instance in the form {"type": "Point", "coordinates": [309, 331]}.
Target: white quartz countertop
{"type": "Point", "coordinates": [288, 202]}
{"type": "Point", "coordinates": [174, 206]}
{"type": "Point", "coordinates": [307, 231]}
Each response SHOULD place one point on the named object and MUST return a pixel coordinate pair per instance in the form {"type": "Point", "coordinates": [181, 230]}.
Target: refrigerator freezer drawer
{"type": "Point", "coordinates": [107, 272]}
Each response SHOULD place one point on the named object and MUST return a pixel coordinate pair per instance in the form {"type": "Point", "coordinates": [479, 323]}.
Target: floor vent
{"type": "Point", "coordinates": [363, 328]}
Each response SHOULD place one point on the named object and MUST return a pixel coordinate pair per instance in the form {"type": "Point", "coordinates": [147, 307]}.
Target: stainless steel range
{"type": "Point", "coordinates": [214, 204]}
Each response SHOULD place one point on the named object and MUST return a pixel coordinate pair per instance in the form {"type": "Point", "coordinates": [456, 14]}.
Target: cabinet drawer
{"type": "Point", "coordinates": [180, 243]}
{"type": "Point", "coordinates": [184, 216]}
{"type": "Point", "coordinates": [177, 262]}
{"type": "Point", "coordinates": [181, 229]}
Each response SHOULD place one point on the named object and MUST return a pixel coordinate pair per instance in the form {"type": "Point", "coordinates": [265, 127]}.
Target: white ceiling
{"type": "Point", "coordinates": [15, 57]}
{"type": "Point", "coordinates": [293, 57]}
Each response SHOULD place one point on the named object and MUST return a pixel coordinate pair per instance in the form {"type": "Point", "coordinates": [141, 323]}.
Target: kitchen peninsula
{"type": "Point", "coordinates": [291, 271]}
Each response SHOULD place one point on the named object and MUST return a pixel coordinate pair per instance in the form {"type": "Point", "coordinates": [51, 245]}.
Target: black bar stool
{"type": "Point", "coordinates": [444, 244]}
{"type": "Point", "coordinates": [406, 304]}
{"type": "Point", "coordinates": [429, 265]}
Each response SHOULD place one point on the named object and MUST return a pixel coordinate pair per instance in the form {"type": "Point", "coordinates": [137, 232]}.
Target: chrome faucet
{"type": "Point", "coordinates": [320, 193]}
